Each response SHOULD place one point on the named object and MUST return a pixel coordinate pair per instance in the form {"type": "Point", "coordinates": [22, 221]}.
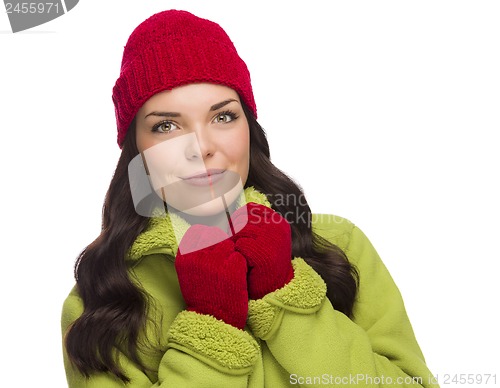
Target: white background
{"type": "Point", "coordinates": [384, 111]}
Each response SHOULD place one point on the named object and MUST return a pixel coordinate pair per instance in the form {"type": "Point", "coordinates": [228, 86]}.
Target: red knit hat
{"type": "Point", "coordinates": [174, 48]}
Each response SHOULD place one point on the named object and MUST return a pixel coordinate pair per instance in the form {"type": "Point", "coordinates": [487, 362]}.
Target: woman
{"type": "Point", "coordinates": [220, 287]}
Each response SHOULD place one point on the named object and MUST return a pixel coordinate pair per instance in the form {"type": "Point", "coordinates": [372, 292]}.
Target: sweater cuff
{"type": "Point", "coordinates": [214, 342]}
{"type": "Point", "coordinates": [304, 294]}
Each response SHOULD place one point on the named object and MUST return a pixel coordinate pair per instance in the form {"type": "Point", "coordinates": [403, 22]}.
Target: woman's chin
{"type": "Point", "coordinates": [211, 209]}
{"type": "Point", "coordinates": [207, 209]}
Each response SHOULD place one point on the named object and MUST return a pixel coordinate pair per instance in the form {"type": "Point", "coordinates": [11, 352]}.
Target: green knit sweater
{"type": "Point", "coordinates": [293, 337]}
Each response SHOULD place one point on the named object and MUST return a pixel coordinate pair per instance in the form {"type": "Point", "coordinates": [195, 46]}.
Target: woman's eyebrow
{"type": "Point", "coordinates": [221, 104]}
{"type": "Point", "coordinates": [163, 114]}
{"type": "Point", "coordinates": [176, 114]}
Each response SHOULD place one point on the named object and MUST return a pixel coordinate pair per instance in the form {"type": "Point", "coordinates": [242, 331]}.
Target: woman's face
{"type": "Point", "coordinates": [195, 142]}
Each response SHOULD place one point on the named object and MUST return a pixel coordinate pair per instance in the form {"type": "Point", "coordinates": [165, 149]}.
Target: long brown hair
{"type": "Point", "coordinates": [115, 309]}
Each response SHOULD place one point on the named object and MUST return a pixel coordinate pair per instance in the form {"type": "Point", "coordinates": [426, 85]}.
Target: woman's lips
{"type": "Point", "coordinates": [206, 178]}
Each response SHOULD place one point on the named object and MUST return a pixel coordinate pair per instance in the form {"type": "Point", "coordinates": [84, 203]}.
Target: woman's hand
{"type": "Point", "coordinates": [265, 241]}
{"type": "Point", "coordinates": [213, 279]}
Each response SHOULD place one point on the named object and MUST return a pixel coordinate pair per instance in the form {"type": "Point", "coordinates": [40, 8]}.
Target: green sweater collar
{"type": "Point", "coordinates": [160, 234]}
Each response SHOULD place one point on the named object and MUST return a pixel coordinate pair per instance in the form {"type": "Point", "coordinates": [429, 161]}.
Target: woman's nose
{"type": "Point", "coordinates": [201, 145]}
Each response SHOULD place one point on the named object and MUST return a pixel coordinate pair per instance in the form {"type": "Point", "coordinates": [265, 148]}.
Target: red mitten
{"type": "Point", "coordinates": [213, 280]}
{"type": "Point", "coordinates": [265, 241]}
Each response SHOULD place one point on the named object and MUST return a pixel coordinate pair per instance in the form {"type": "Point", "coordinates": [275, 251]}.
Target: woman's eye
{"type": "Point", "coordinates": [225, 117]}
{"type": "Point", "coordinates": [164, 127]}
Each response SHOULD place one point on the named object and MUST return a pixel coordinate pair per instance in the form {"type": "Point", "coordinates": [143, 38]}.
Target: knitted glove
{"type": "Point", "coordinates": [265, 241]}
{"type": "Point", "coordinates": [213, 280]}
